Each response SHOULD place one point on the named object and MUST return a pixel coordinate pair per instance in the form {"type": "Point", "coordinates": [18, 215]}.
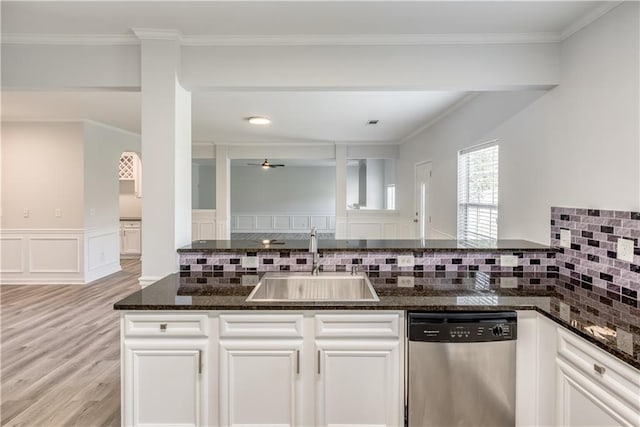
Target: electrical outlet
{"type": "Point", "coordinates": [508, 282]}
{"type": "Point", "coordinates": [565, 237]}
{"type": "Point", "coordinates": [625, 250]}
{"type": "Point", "coordinates": [406, 282]}
{"type": "Point", "coordinates": [92, 212]}
{"type": "Point", "coordinates": [58, 212]}
{"type": "Point", "coordinates": [25, 213]}
{"type": "Point", "coordinates": [565, 312]}
{"type": "Point", "coordinates": [249, 262]}
{"type": "Point", "coordinates": [624, 340]}
{"type": "Point", "coordinates": [406, 261]}
{"type": "Point", "coordinates": [508, 260]}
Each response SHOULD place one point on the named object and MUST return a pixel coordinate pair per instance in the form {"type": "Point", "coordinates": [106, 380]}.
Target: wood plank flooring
{"type": "Point", "coordinates": [60, 352]}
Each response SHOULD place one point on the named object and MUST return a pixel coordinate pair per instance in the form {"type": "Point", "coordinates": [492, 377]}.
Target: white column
{"type": "Point", "coordinates": [223, 193]}
{"type": "Point", "coordinates": [341, 191]}
{"type": "Point", "coordinates": [166, 147]}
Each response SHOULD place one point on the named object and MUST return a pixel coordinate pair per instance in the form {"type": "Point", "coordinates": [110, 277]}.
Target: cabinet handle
{"type": "Point", "coordinates": [298, 362]}
{"type": "Point", "coordinates": [599, 369]}
{"type": "Point", "coordinates": [199, 361]}
{"type": "Point", "coordinates": [318, 362]}
{"type": "Point", "coordinates": [163, 327]}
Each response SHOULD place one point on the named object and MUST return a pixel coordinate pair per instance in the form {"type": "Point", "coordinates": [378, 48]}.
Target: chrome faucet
{"type": "Point", "coordinates": [313, 248]}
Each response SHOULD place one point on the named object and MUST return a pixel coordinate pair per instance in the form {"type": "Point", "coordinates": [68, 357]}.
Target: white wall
{"type": "Point", "coordinates": [67, 167]}
{"type": "Point", "coordinates": [42, 170]}
{"type": "Point", "coordinates": [130, 205]}
{"type": "Point", "coordinates": [283, 190]}
{"type": "Point", "coordinates": [576, 145]}
{"type": "Point", "coordinates": [103, 146]}
{"type": "Point", "coordinates": [203, 185]}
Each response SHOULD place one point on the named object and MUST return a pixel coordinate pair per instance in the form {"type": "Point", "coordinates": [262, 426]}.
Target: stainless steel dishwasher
{"type": "Point", "coordinates": [462, 369]}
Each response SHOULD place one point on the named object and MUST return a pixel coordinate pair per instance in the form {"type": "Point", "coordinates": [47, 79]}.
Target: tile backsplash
{"type": "Point", "coordinates": [592, 258]}
{"type": "Point", "coordinates": [528, 261]}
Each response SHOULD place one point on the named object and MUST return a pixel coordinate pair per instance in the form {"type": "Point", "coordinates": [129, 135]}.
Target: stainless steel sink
{"type": "Point", "coordinates": [305, 287]}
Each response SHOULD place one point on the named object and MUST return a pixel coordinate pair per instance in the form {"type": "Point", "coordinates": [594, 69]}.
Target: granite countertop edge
{"type": "Point", "coordinates": [386, 302]}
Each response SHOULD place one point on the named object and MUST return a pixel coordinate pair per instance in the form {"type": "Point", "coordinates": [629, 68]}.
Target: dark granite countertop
{"type": "Point", "coordinates": [366, 245]}
{"type": "Point", "coordinates": [594, 313]}
{"type": "Point", "coordinates": [126, 218]}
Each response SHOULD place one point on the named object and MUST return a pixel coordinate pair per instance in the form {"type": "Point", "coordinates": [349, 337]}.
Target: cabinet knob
{"type": "Point", "coordinates": [163, 327]}
{"type": "Point", "coordinates": [599, 369]}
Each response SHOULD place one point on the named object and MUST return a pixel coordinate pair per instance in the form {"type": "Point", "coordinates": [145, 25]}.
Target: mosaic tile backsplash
{"type": "Point", "coordinates": [529, 261]}
{"type": "Point", "coordinates": [592, 258]}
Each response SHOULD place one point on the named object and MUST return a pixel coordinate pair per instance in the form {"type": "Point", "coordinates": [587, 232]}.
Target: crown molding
{"type": "Point", "coordinates": [588, 18]}
{"type": "Point", "coordinates": [157, 34]}
{"type": "Point", "coordinates": [369, 39]}
{"type": "Point", "coordinates": [278, 40]}
{"type": "Point", "coordinates": [70, 39]}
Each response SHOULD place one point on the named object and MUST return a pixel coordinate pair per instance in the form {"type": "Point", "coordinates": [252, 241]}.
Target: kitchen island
{"type": "Point", "coordinates": [194, 334]}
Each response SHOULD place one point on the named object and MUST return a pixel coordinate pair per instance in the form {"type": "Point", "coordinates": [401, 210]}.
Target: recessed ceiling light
{"type": "Point", "coordinates": [259, 120]}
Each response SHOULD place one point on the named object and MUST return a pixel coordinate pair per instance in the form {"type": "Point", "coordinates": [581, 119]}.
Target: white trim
{"type": "Point", "coordinates": [298, 39]}
{"type": "Point", "coordinates": [20, 239]}
{"type": "Point", "coordinates": [587, 19]}
{"type": "Point", "coordinates": [59, 238]}
{"type": "Point", "coordinates": [70, 39]}
{"type": "Point", "coordinates": [157, 34]}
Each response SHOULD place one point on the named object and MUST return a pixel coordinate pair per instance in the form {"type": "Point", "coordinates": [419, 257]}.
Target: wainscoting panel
{"type": "Point", "coordinates": [375, 224]}
{"type": "Point", "coordinates": [12, 251]}
{"type": "Point", "coordinates": [301, 222]}
{"type": "Point", "coordinates": [279, 223]}
{"type": "Point", "coordinates": [60, 254]}
{"type": "Point", "coordinates": [264, 222]}
{"type": "Point", "coordinates": [43, 256]}
{"type": "Point", "coordinates": [102, 254]}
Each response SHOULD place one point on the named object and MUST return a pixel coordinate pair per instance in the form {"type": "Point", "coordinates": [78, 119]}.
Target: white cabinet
{"type": "Point", "coordinates": [130, 238]}
{"type": "Point", "coordinates": [130, 169]}
{"type": "Point", "coordinates": [344, 369]}
{"type": "Point", "coordinates": [165, 370]}
{"type": "Point", "coordinates": [359, 383]}
{"type": "Point", "coordinates": [593, 387]}
{"type": "Point", "coordinates": [260, 382]}
{"type": "Point", "coordinates": [260, 378]}
{"type": "Point", "coordinates": [359, 369]}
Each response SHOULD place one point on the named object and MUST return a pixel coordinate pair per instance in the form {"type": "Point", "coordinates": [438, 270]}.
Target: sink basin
{"type": "Point", "coordinates": [305, 287]}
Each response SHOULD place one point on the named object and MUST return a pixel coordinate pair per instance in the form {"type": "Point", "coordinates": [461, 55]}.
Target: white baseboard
{"type": "Point", "coordinates": [147, 280]}
{"type": "Point", "coordinates": [102, 271]}
{"type": "Point", "coordinates": [39, 282]}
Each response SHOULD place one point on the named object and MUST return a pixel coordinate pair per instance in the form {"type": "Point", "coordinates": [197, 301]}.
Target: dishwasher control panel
{"type": "Point", "coordinates": [430, 327]}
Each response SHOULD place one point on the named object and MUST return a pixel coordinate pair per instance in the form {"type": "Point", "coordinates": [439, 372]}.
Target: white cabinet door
{"type": "Point", "coordinates": [131, 241]}
{"type": "Point", "coordinates": [583, 403]}
{"type": "Point", "coordinates": [260, 382]}
{"type": "Point", "coordinates": [164, 383]}
{"type": "Point", "coordinates": [359, 383]}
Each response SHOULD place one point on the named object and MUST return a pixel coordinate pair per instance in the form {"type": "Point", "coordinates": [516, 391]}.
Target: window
{"type": "Point", "coordinates": [478, 192]}
{"type": "Point", "coordinates": [391, 197]}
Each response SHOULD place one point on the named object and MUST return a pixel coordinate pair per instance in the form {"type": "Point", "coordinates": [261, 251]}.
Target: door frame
{"type": "Point", "coordinates": [416, 202]}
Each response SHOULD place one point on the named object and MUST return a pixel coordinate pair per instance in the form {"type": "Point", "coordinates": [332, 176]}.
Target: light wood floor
{"type": "Point", "coordinates": [60, 352]}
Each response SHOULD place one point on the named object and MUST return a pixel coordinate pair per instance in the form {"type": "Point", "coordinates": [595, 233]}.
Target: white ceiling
{"type": "Point", "coordinates": [334, 116]}
{"type": "Point", "coordinates": [244, 18]}
{"type": "Point", "coordinates": [337, 116]}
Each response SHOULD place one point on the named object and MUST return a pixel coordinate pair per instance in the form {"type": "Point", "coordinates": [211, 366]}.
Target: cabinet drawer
{"type": "Point", "coordinates": [384, 325]}
{"type": "Point", "coordinates": [601, 367]}
{"type": "Point", "coordinates": [130, 224]}
{"type": "Point", "coordinates": [261, 325]}
{"type": "Point", "coordinates": [160, 325]}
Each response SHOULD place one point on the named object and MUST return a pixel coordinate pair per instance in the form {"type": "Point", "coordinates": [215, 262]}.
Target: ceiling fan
{"type": "Point", "coordinates": [265, 165]}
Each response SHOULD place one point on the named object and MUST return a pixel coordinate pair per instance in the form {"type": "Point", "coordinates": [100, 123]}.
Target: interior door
{"type": "Point", "coordinates": [422, 218]}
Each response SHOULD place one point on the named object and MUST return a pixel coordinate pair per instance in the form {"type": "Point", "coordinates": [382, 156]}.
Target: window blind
{"type": "Point", "coordinates": [478, 192]}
